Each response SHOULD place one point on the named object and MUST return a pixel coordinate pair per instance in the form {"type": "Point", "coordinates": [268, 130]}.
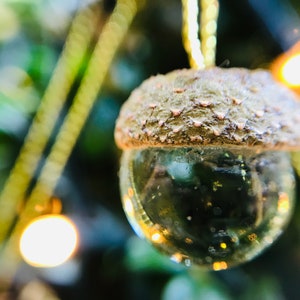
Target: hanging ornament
{"type": "Point", "coordinates": [206, 174]}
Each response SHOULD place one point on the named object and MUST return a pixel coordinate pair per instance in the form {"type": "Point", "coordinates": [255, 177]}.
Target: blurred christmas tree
{"type": "Point", "coordinates": [110, 262]}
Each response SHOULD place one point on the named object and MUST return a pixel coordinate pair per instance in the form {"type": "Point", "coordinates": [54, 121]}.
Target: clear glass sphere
{"type": "Point", "coordinates": [211, 207]}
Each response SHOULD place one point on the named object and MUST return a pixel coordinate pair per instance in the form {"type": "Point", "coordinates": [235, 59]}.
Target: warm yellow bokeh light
{"type": "Point", "coordinates": [49, 241]}
{"type": "Point", "coordinates": [286, 68]}
{"type": "Point", "coordinates": [219, 265]}
{"type": "Point", "coordinates": [223, 245]}
{"type": "Point", "coordinates": [157, 238]}
{"type": "Point", "coordinates": [290, 71]}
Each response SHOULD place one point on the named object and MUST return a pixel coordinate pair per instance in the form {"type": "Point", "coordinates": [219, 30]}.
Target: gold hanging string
{"type": "Point", "coordinates": [202, 53]}
{"type": "Point", "coordinates": [190, 33]}
{"type": "Point", "coordinates": [110, 39]}
{"type": "Point", "coordinates": [208, 30]}
{"type": "Point", "coordinates": [76, 45]}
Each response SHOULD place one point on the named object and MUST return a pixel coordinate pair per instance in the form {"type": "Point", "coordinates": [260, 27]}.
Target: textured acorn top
{"type": "Point", "coordinates": [210, 107]}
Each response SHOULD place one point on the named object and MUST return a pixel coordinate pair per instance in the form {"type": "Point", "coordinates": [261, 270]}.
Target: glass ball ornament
{"type": "Point", "coordinates": [214, 207]}
{"type": "Point", "coordinates": [206, 174]}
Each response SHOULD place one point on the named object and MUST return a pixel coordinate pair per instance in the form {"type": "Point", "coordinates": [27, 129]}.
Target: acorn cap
{"type": "Point", "coordinates": [211, 107]}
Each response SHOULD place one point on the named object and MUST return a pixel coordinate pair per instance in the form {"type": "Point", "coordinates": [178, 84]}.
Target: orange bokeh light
{"type": "Point", "coordinates": [286, 68]}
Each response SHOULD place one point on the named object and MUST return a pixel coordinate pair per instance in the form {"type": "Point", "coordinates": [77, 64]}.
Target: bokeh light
{"type": "Point", "coordinates": [291, 70]}
{"type": "Point", "coordinates": [49, 241]}
{"type": "Point", "coordinates": [286, 68]}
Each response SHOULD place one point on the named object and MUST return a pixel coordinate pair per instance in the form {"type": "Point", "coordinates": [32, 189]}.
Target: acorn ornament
{"type": "Point", "coordinates": [206, 174]}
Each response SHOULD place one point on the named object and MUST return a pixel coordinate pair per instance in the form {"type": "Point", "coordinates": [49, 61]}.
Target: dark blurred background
{"type": "Point", "coordinates": [112, 263]}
